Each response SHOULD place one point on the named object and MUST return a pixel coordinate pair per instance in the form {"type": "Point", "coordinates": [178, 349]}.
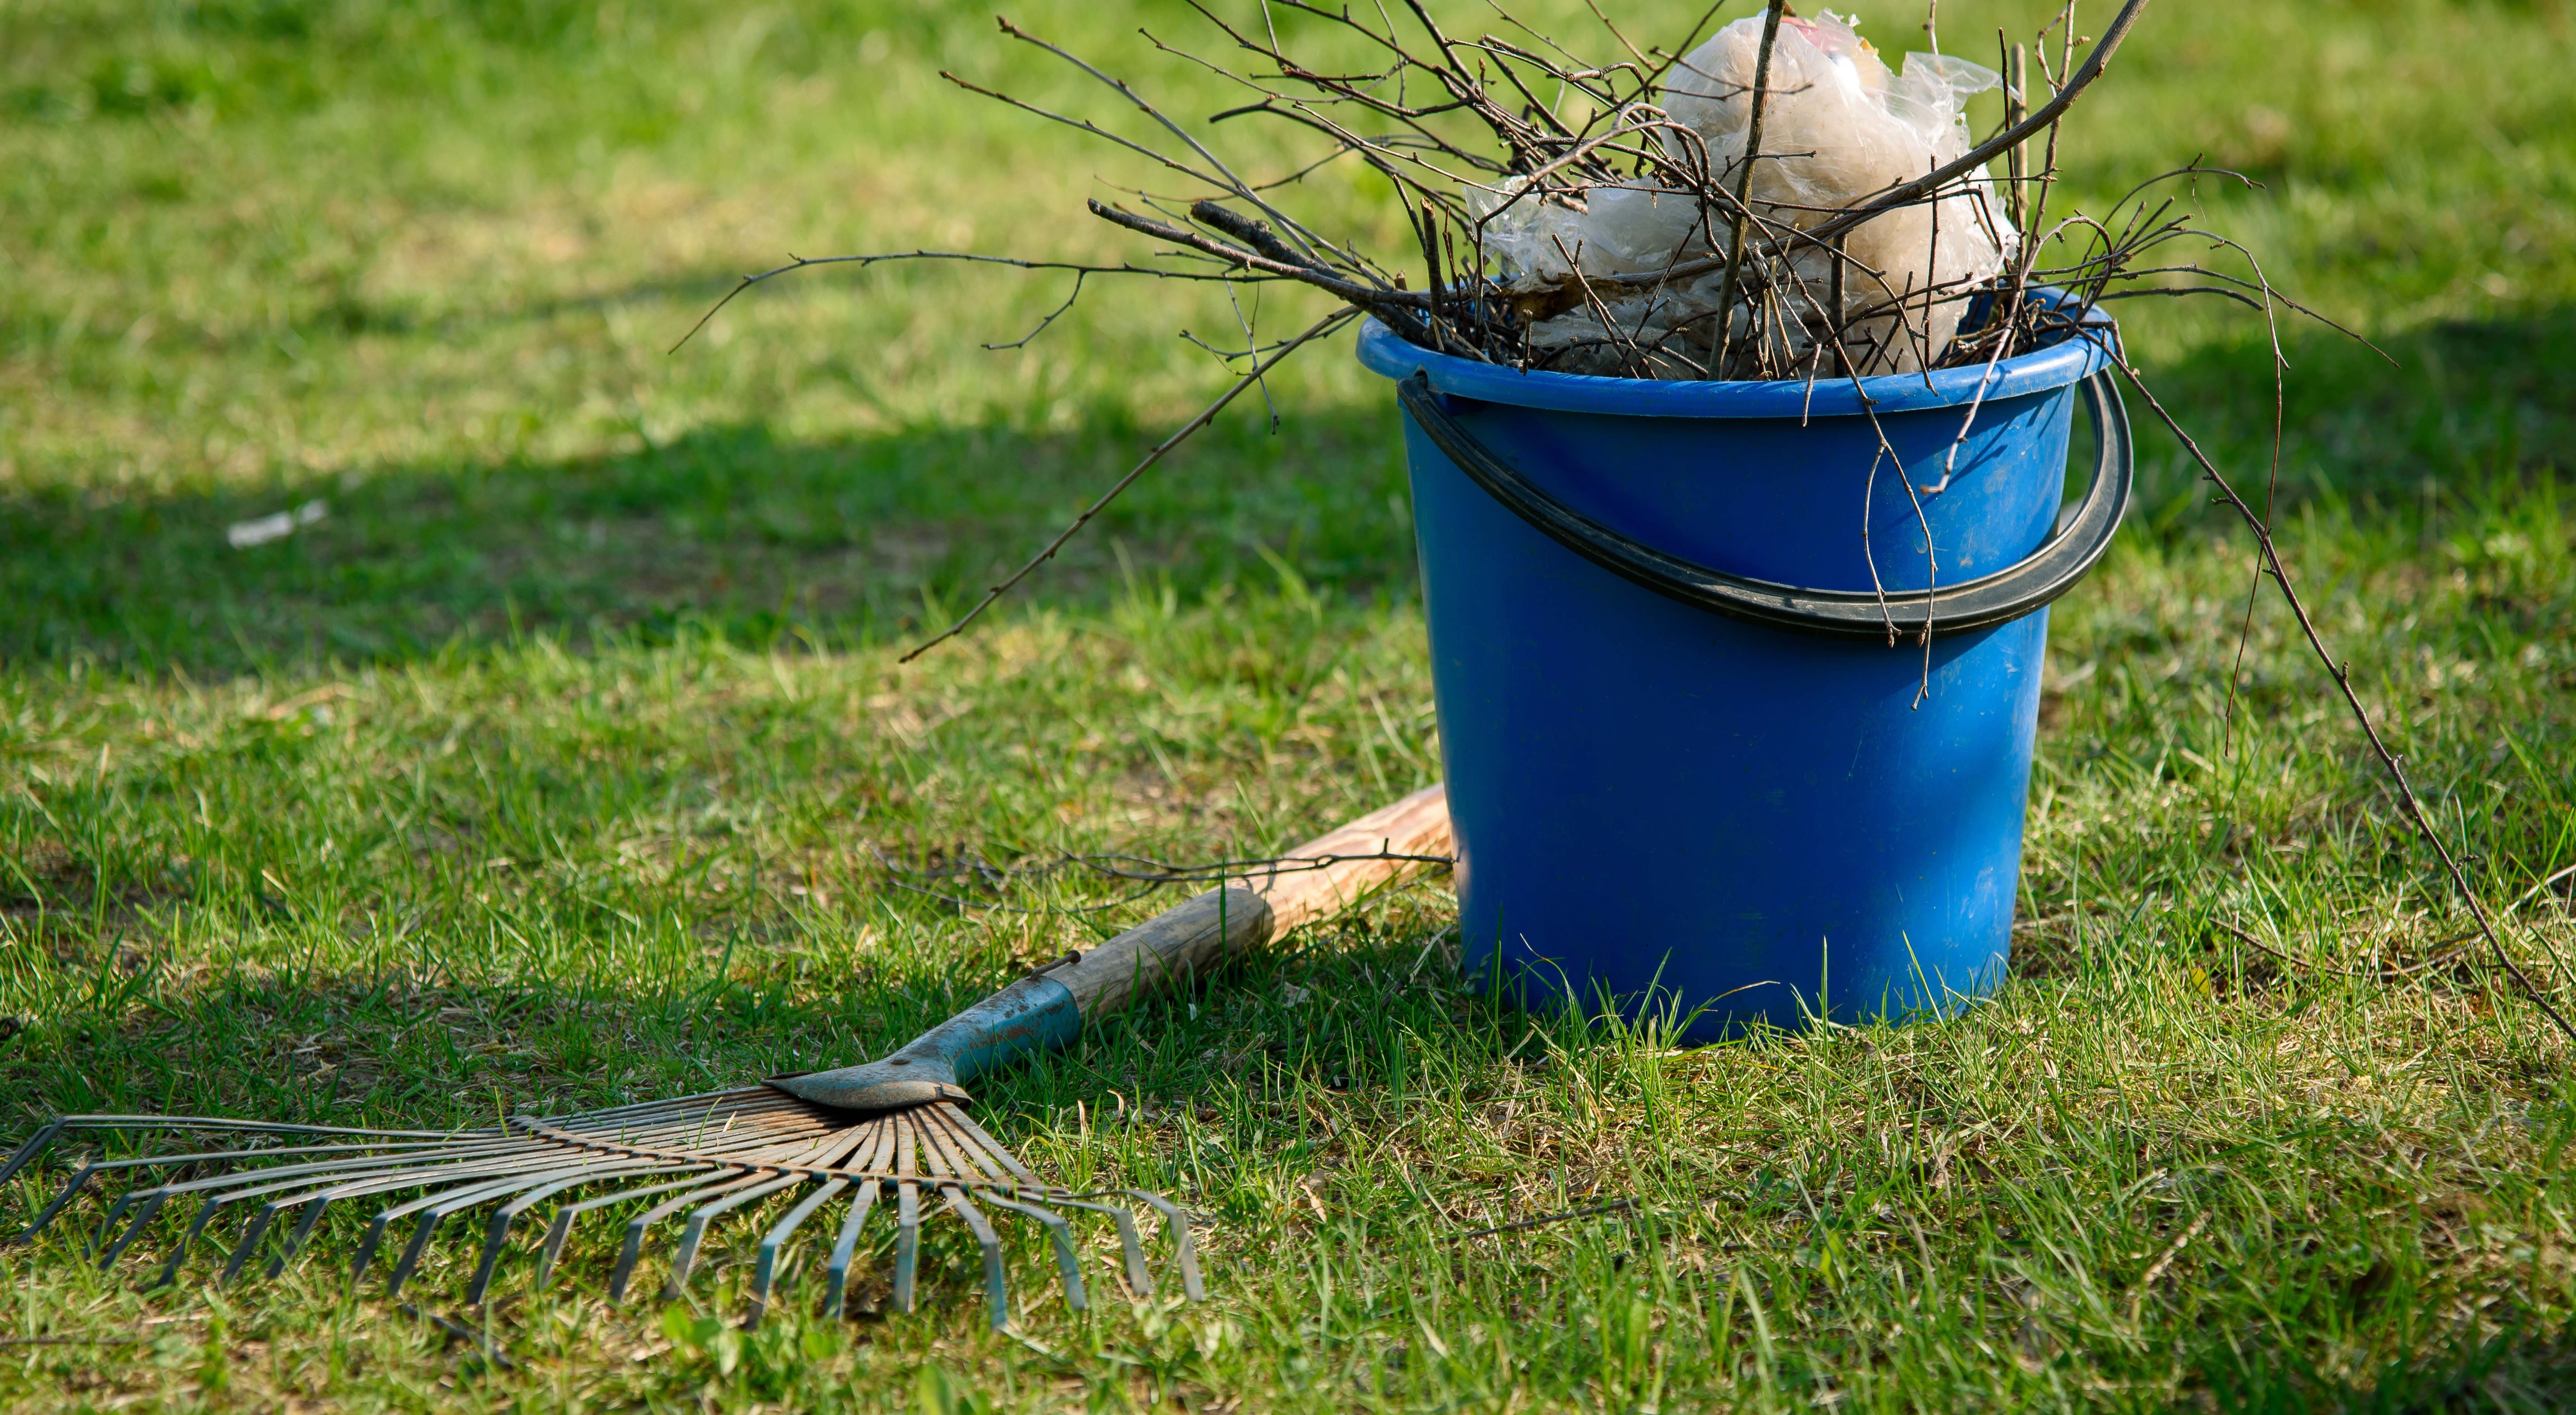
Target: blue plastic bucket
{"type": "Point", "coordinates": [1687, 768]}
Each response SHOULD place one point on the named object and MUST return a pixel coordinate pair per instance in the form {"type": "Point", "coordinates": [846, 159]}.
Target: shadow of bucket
{"type": "Point", "coordinates": [1694, 743]}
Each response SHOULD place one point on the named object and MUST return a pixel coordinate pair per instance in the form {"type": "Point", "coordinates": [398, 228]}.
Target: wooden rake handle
{"type": "Point", "coordinates": [1386, 847]}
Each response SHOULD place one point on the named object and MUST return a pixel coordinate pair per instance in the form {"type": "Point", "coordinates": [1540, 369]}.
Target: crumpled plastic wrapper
{"type": "Point", "coordinates": [1538, 239]}
{"type": "Point", "coordinates": [1837, 127]}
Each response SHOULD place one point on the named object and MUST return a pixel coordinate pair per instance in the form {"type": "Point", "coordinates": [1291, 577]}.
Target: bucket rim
{"type": "Point", "coordinates": [2068, 361]}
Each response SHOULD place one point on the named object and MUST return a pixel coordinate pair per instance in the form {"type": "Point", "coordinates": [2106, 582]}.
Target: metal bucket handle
{"type": "Point", "coordinates": [2048, 572]}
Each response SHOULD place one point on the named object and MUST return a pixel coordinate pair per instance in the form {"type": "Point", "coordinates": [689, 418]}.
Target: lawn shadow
{"type": "Point", "coordinates": [865, 538]}
{"type": "Point", "coordinates": [735, 528]}
{"type": "Point", "coordinates": [2525, 1364]}
{"type": "Point", "coordinates": [2466, 408]}
{"type": "Point", "coordinates": [348, 309]}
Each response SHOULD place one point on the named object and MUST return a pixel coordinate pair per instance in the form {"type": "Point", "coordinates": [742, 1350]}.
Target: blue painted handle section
{"type": "Point", "coordinates": [1030, 1015]}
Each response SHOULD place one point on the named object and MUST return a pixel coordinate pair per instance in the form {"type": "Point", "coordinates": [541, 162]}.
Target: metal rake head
{"type": "Point", "coordinates": [699, 1159]}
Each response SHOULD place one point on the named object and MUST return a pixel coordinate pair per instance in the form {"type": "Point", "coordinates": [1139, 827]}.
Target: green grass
{"type": "Point", "coordinates": [547, 769]}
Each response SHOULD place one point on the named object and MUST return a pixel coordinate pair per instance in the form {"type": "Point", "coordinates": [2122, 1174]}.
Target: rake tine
{"type": "Point", "coordinates": [1068, 1266]}
{"type": "Point", "coordinates": [907, 1217]}
{"type": "Point", "coordinates": [206, 1209]}
{"type": "Point", "coordinates": [26, 1153]}
{"type": "Point", "coordinates": [634, 1249]}
{"type": "Point", "coordinates": [907, 1242]}
{"type": "Point", "coordinates": [367, 1249]}
{"type": "Point", "coordinates": [684, 1259]}
{"type": "Point", "coordinates": [72, 1188]}
{"type": "Point", "coordinates": [143, 1217]}
{"type": "Point", "coordinates": [1185, 1253]}
{"type": "Point", "coordinates": [1140, 1280]}
{"type": "Point", "coordinates": [936, 1156]}
{"type": "Point", "coordinates": [497, 1231]}
{"type": "Point", "coordinates": [561, 1229]}
{"type": "Point", "coordinates": [879, 1145]}
{"type": "Point", "coordinates": [556, 1232]}
{"type": "Point", "coordinates": [403, 1266]}
{"type": "Point", "coordinates": [997, 1295]}
{"type": "Point", "coordinates": [252, 1232]}
{"type": "Point", "coordinates": [775, 1239]}
{"type": "Point", "coordinates": [836, 1274]}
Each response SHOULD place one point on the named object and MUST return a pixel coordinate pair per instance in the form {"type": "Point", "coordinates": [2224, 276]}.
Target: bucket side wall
{"type": "Point", "coordinates": [1759, 822]}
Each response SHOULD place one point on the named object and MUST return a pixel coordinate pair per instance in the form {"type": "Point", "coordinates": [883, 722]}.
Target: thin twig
{"type": "Point", "coordinates": [1618, 1206]}
{"type": "Point", "coordinates": [1744, 179]}
{"type": "Point", "coordinates": [797, 262]}
{"type": "Point", "coordinates": [2383, 975]}
{"type": "Point", "coordinates": [2538, 889]}
{"type": "Point", "coordinates": [2165, 1259]}
{"type": "Point", "coordinates": [2341, 672]}
{"type": "Point", "coordinates": [1321, 327]}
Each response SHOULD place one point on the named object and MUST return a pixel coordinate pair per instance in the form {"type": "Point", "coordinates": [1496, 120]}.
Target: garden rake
{"type": "Point", "coordinates": [893, 1128]}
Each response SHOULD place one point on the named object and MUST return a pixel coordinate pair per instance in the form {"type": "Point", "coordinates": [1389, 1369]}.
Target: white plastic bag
{"type": "Point", "coordinates": [1837, 128]}
{"type": "Point", "coordinates": [1605, 229]}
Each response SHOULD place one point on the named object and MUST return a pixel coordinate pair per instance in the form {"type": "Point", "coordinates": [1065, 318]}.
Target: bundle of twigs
{"type": "Point", "coordinates": [1498, 133]}
{"type": "Point", "coordinates": [1476, 132]}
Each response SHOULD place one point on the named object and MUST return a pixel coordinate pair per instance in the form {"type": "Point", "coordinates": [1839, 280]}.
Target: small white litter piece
{"type": "Point", "coordinates": [263, 529]}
